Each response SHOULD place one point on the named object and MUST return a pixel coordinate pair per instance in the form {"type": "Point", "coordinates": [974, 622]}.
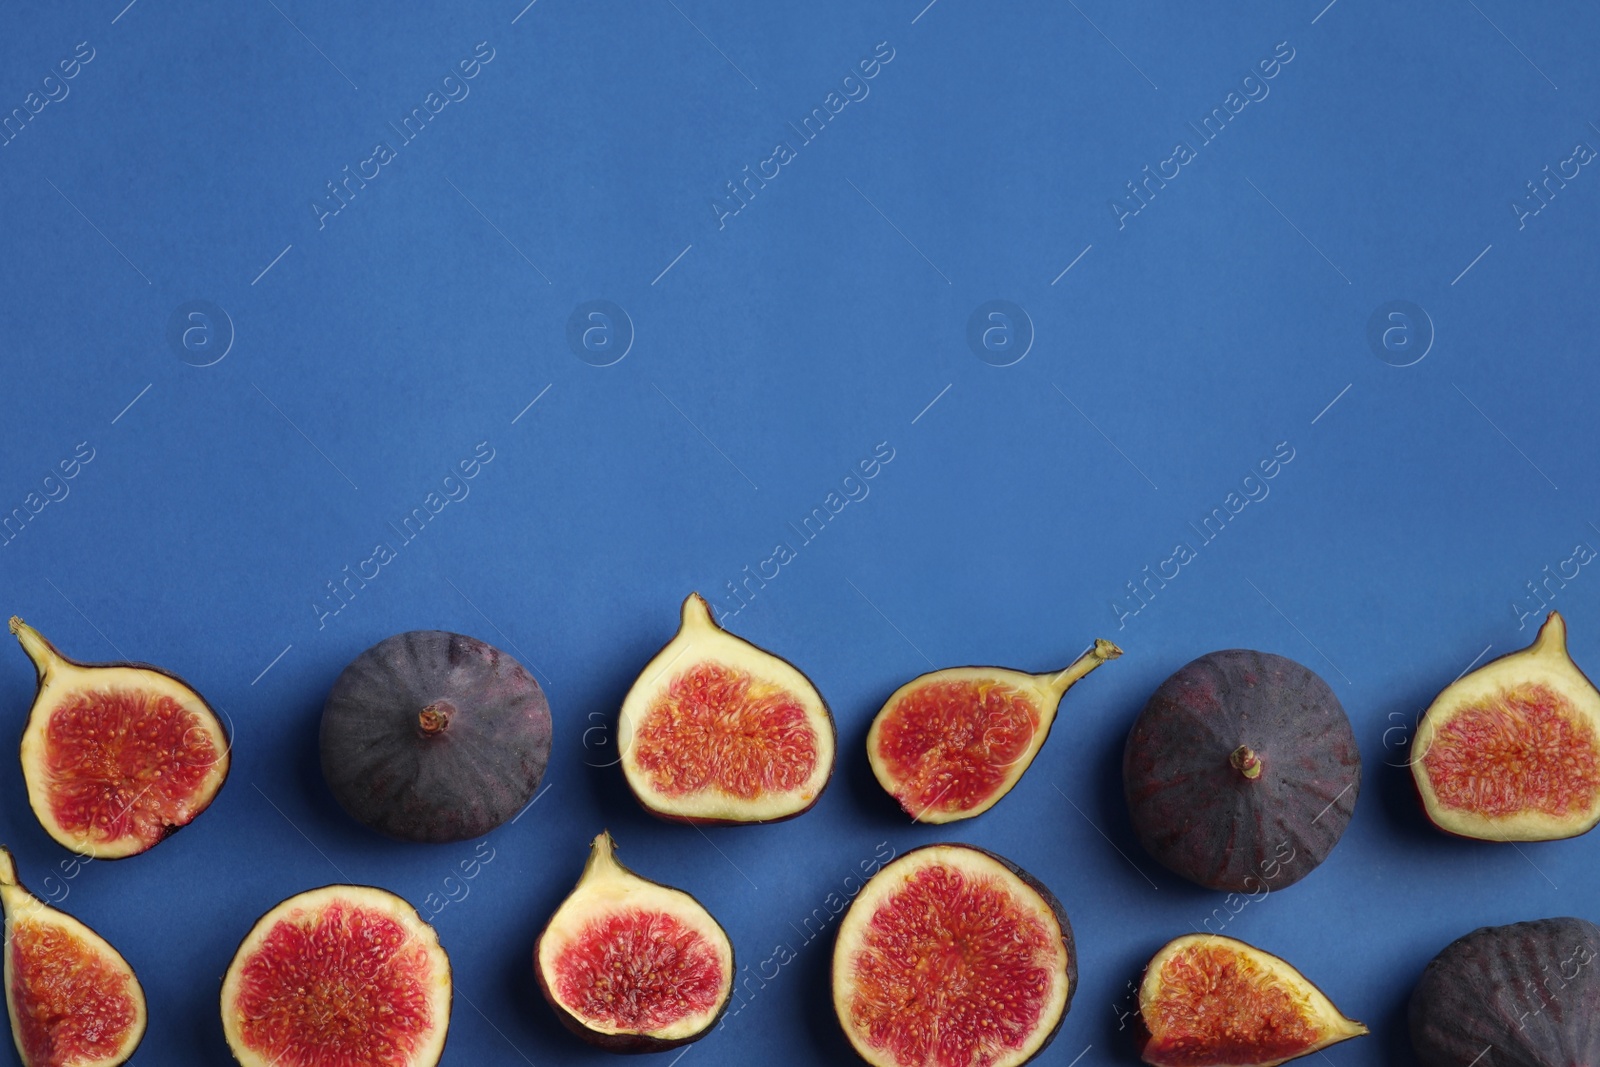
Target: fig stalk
{"type": "Point", "coordinates": [1102, 652]}
{"type": "Point", "coordinates": [434, 718]}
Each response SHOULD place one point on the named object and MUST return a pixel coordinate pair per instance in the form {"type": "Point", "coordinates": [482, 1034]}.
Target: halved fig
{"type": "Point", "coordinates": [949, 744]}
{"type": "Point", "coordinates": [718, 731]}
{"type": "Point", "coordinates": [117, 756]}
{"type": "Point", "coordinates": [631, 965]}
{"type": "Point", "coordinates": [951, 956]}
{"type": "Point", "coordinates": [1511, 751]}
{"type": "Point", "coordinates": [342, 976]}
{"type": "Point", "coordinates": [72, 998]}
{"type": "Point", "coordinates": [1242, 772]}
{"type": "Point", "coordinates": [1527, 991]}
{"type": "Point", "coordinates": [1212, 1001]}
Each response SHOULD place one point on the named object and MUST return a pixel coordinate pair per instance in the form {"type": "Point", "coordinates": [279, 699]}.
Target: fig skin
{"type": "Point", "coordinates": [1242, 771]}
{"type": "Point", "coordinates": [1051, 901]}
{"type": "Point", "coordinates": [626, 1043]}
{"type": "Point", "coordinates": [696, 614]}
{"type": "Point", "coordinates": [434, 737]}
{"type": "Point", "coordinates": [1481, 992]}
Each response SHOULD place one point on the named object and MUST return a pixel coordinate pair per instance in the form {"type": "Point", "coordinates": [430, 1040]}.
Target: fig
{"type": "Point", "coordinates": [631, 965]}
{"type": "Point", "coordinates": [951, 956]}
{"type": "Point", "coordinates": [1511, 751]}
{"type": "Point", "coordinates": [1525, 991]}
{"type": "Point", "coordinates": [433, 736]}
{"type": "Point", "coordinates": [117, 757]}
{"type": "Point", "coordinates": [950, 744]}
{"type": "Point", "coordinates": [1210, 1001]}
{"type": "Point", "coordinates": [1241, 773]}
{"type": "Point", "coordinates": [342, 976]}
{"type": "Point", "coordinates": [718, 731]}
{"type": "Point", "coordinates": [72, 998]}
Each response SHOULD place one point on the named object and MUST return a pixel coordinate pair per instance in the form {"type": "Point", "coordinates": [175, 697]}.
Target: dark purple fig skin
{"type": "Point", "coordinates": [457, 784]}
{"type": "Point", "coordinates": [1523, 995]}
{"type": "Point", "coordinates": [1198, 815]}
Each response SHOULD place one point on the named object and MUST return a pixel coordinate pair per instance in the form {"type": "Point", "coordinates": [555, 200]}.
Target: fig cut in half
{"type": "Point", "coordinates": [434, 736]}
{"type": "Point", "coordinates": [953, 957]}
{"type": "Point", "coordinates": [718, 731]}
{"type": "Point", "coordinates": [342, 976]}
{"type": "Point", "coordinates": [1511, 751]}
{"type": "Point", "coordinates": [72, 998]}
{"type": "Point", "coordinates": [1528, 991]}
{"type": "Point", "coordinates": [1242, 772]}
{"type": "Point", "coordinates": [950, 744]}
{"type": "Point", "coordinates": [1212, 1001]}
{"type": "Point", "coordinates": [631, 965]}
{"type": "Point", "coordinates": [117, 756]}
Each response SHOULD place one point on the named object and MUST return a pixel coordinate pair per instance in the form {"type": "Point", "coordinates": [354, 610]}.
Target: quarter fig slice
{"type": "Point", "coordinates": [631, 965]}
{"type": "Point", "coordinates": [73, 1000]}
{"type": "Point", "coordinates": [117, 756]}
{"type": "Point", "coordinates": [951, 743]}
{"type": "Point", "coordinates": [1530, 992]}
{"type": "Point", "coordinates": [718, 731]}
{"type": "Point", "coordinates": [342, 976]}
{"type": "Point", "coordinates": [1213, 1001]}
{"type": "Point", "coordinates": [1511, 751]}
{"type": "Point", "coordinates": [951, 956]}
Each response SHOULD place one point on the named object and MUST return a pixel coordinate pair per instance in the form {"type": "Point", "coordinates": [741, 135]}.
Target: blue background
{"type": "Point", "coordinates": [771, 356]}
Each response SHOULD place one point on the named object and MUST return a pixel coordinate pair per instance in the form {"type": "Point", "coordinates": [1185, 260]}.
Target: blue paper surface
{"type": "Point", "coordinates": [1070, 273]}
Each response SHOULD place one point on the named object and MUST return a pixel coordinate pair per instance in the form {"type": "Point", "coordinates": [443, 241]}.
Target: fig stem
{"type": "Point", "coordinates": [1102, 652]}
{"type": "Point", "coordinates": [434, 718]}
{"type": "Point", "coordinates": [41, 651]}
{"type": "Point", "coordinates": [1246, 762]}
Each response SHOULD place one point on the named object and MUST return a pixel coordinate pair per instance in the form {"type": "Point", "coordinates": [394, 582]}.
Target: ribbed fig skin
{"type": "Point", "coordinates": [1198, 815]}
{"type": "Point", "coordinates": [1523, 995]}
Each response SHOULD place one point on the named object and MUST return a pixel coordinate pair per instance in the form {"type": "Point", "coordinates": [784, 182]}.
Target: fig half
{"type": "Point", "coordinates": [631, 965]}
{"type": "Point", "coordinates": [1511, 751]}
{"type": "Point", "coordinates": [72, 998]}
{"type": "Point", "coordinates": [1526, 991]}
{"type": "Point", "coordinates": [335, 977]}
{"type": "Point", "coordinates": [718, 731]}
{"type": "Point", "coordinates": [1212, 1001]}
{"type": "Point", "coordinates": [117, 756]}
{"type": "Point", "coordinates": [949, 744]}
{"type": "Point", "coordinates": [1242, 772]}
{"type": "Point", "coordinates": [951, 956]}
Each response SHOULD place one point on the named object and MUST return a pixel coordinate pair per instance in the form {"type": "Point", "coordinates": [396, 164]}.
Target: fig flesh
{"type": "Point", "coordinates": [117, 757]}
{"type": "Point", "coordinates": [951, 956]}
{"type": "Point", "coordinates": [1511, 751]}
{"type": "Point", "coordinates": [718, 731]}
{"type": "Point", "coordinates": [1523, 995]}
{"type": "Point", "coordinates": [342, 976]}
{"type": "Point", "coordinates": [950, 744]}
{"type": "Point", "coordinates": [1242, 772]}
{"type": "Point", "coordinates": [631, 965]}
{"type": "Point", "coordinates": [434, 736]}
{"type": "Point", "coordinates": [1212, 1001]}
{"type": "Point", "coordinates": [72, 998]}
